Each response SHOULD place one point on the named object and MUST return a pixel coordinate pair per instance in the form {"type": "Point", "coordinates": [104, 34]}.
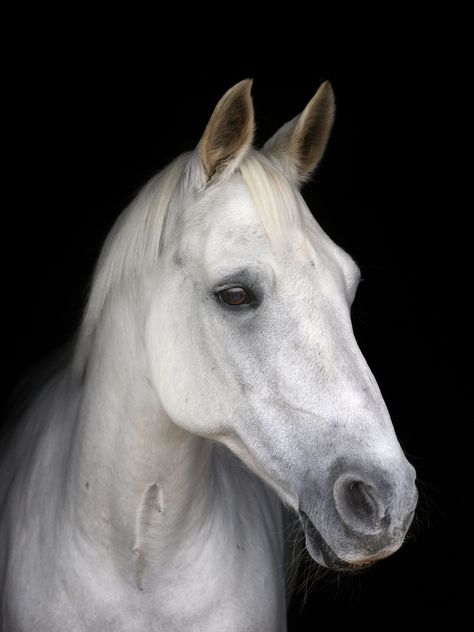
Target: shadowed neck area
{"type": "Point", "coordinates": [134, 476]}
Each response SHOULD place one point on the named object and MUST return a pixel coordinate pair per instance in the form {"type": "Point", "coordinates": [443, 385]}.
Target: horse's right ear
{"type": "Point", "coordinates": [229, 132]}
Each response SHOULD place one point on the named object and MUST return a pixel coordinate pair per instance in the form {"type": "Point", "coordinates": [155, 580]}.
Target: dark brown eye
{"type": "Point", "coordinates": [235, 296]}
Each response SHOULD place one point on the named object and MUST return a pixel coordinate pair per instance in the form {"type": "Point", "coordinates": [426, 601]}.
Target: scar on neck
{"type": "Point", "coordinates": [151, 504]}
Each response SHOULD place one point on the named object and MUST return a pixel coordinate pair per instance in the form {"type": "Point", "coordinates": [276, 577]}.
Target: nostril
{"type": "Point", "coordinates": [356, 504]}
{"type": "Point", "coordinates": [360, 501]}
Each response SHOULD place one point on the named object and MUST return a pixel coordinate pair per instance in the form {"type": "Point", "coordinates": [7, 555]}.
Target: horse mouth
{"type": "Point", "coordinates": [319, 548]}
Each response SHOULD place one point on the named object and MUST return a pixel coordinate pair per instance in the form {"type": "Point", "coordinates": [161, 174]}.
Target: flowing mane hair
{"type": "Point", "coordinates": [142, 230]}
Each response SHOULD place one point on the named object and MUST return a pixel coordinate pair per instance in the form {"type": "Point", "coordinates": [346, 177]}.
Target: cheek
{"type": "Point", "coordinates": [190, 377]}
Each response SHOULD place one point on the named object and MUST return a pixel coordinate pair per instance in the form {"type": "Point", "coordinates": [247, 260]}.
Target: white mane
{"type": "Point", "coordinates": [276, 200]}
{"type": "Point", "coordinates": [133, 242]}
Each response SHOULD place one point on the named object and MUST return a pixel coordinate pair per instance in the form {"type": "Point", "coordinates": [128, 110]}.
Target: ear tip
{"type": "Point", "coordinates": [244, 86]}
{"type": "Point", "coordinates": [324, 99]}
{"type": "Point", "coordinates": [240, 90]}
{"type": "Point", "coordinates": [326, 90]}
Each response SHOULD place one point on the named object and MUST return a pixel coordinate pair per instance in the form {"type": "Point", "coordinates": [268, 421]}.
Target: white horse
{"type": "Point", "coordinates": [215, 385]}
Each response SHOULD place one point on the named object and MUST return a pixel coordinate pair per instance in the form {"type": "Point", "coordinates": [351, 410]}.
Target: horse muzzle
{"type": "Point", "coordinates": [364, 519]}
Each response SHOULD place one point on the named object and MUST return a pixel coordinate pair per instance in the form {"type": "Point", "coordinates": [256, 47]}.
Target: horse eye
{"type": "Point", "coordinates": [235, 297]}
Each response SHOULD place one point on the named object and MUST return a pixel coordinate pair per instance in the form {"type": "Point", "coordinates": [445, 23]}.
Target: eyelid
{"type": "Point", "coordinates": [226, 286]}
{"type": "Point", "coordinates": [246, 274]}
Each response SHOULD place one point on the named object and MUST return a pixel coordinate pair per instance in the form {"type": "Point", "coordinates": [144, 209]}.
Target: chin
{"type": "Point", "coordinates": [325, 556]}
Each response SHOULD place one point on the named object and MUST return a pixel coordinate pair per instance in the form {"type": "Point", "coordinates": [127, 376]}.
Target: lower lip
{"type": "Point", "coordinates": [316, 543]}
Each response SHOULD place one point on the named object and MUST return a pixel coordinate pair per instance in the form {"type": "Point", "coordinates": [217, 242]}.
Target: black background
{"type": "Point", "coordinates": [91, 115]}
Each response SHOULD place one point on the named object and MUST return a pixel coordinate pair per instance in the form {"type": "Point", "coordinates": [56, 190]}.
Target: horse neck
{"type": "Point", "coordinates": [132, 469]}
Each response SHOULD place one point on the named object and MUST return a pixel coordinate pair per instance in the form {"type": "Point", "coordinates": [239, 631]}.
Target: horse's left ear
{"type": "Point", "coordinates": [299, 145]}
{"type": "Point", "coordinates": [229, 132]}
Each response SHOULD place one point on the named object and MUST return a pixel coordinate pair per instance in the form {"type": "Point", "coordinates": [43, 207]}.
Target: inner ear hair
{"type": "Point", "coordinates": [299, 145]}
{"type": "Point", "coordinates": [313, 129]}
{"type": "Point", "coordinates": [229, 132]}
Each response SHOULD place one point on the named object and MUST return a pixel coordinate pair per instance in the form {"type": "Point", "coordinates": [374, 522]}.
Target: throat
{"type": "Point", "coordinates": [138, 483]}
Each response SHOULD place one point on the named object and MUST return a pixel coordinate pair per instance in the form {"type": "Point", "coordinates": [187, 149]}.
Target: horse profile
{"type": "Point", "coordinates": [215, 387]}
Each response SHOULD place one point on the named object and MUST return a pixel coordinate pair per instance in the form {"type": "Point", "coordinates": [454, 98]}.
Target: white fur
{"type": "Point", "coordinates": [126, 502]}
